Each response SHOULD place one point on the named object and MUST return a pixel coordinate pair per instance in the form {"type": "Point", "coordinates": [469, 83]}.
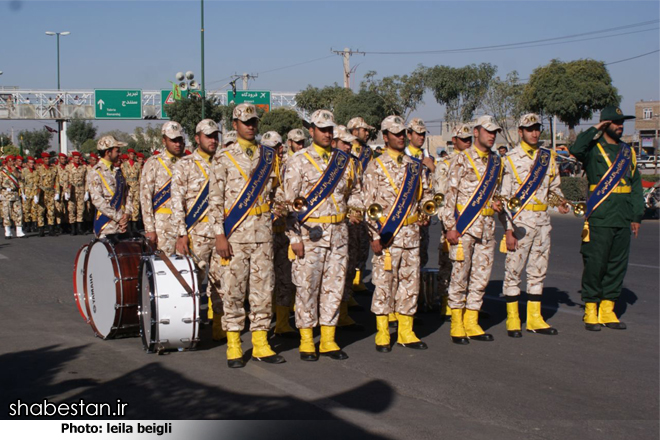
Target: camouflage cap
{"type": "Point", "coordinates": [172, 130]}
{"type": "Point", "coordinates": [207, 126]}
{"type": "Point", "coordinates": [107, 142]}
{"type": "Point", "coordinates": [229, 137]}
{"type": "Point", "coordinates": [296, 135]}
{"type": "Point", "coordinates": [529, 120]}
{"type": "Point", "coordinates": [463, 131]}
{"type": "Point", "coordinates": [244, 112]}
{"type": "Point", "coordinates": [487, 122]}
{"type": "Point", "coordinates": [342, 133]}
{"type": "Point", "coordinates": [417, 125]}
{"type": "Point", "coordinates": [393, 124]}
{"type": "Point", "coordinates": [271, 139]}
{"type": "Point", "coordinates": [323, 118]}
{"type": "Point", "coordinates": [358, 123]}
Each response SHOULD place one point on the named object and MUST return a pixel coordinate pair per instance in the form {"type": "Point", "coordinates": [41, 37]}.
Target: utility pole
{"type": "Point", "coordinates": [246, 77]}
{"type": "Point", "coordinates": [346, 54]}
{"type": "Point", "coordinates": [203, 85]}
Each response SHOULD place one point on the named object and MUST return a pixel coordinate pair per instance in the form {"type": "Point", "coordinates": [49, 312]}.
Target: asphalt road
{"type": "Point", "coordinates": [577, 385]}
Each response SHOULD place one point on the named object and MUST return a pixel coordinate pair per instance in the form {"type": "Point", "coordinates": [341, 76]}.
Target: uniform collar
{"type": "Point", "coordinates": [247, 147]}
{"type": "Point", "coordinates": [106, 162]}
{"type": "Point", "coordinates": [415, 152]}
{"type": "Point", "coordinates": [324, 153]}
{"type": "Point", "coordinates": [205, 156]}
{"type": "Point", "coordinates": [480, 153]}
{"type": "Point", "coordinates": [528, 149]}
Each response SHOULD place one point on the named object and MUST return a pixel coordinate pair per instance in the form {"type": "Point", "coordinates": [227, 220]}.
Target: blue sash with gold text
{"type": "Point", "coordinates": [481, 195]}
{"type": "Point", "coordinates": [162, 196]}
{"type": "Point", "coordinates": [534, 178]}
{"type": "Point", "coordinates": [117, 203]}
{"type": "Point", "coordinates": [365, 156]}
{"type": "Point", "coordinates": [251, 191]}
{"type": "Point", "coordinates": [611, 179]}
{"type": "Point", "coordinates": [324, 187]}
{"type": "Point", "coordinates": [199, 209]}
{"type": "Point", "coordinates": [404, 203]}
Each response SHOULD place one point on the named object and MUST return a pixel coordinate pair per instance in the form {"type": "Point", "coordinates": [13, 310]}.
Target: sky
{"type": "Point", "coordinates": [142, 44]}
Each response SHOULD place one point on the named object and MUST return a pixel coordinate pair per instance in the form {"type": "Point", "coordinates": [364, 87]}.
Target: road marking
{"type": "Point", "coordinates": [644, 265]}
{"type": "Point", "coordinates": [2, 257]}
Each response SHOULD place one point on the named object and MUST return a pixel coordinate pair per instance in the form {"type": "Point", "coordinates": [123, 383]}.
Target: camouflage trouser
{"type": "Point", "coordinates": [12, 210]}
{"type": "Point", "coordinates": [29, 210]}
{"type": "Point", "coordinates": [60, 210]}
{"type": "Point", "coordinates": [423, 245]}
{"type": "Point", "coordinates": [320, 278]}
{"type": "Point", "coordinates": [135, 194]}
{"type": "Point", "coordinates": [76, 204]}
{"type": "Point", "coordinates": [251, 262]}
{"type": "Point", "coordinates": [444, 267]}
{"type": "Point", "coordinates": [285, 290]}
{"type": "Point", "coordinates": [166, 233]}
{"type": "Point", "coordinates": [533, 249]}
{"type": "Point", "coordinates": [469, 277]}
{"type": "Point", "coordinates": [204, 249]}
{"type": "Point", "coordinates": [46, 208]}
{"type": "Point", "coordinates": [396, 290]}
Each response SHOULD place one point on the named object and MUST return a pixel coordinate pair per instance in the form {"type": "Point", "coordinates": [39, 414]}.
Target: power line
{"type": "Point", "coordinates": [632, 58]}
{"type": "Point", "coordinates": [297, 64]}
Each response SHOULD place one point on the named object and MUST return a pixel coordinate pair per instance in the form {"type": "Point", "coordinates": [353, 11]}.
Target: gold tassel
{"type": "Point", "coordinates": [460, 255]}
{"type": "Point", "coordinates": [292, 255]}
{"type": "Point", "coordinates": [503, 248]}
{"type": "Point", "coordinates": [445, 246]}
{"type": "Point", "coordinates": [224, 261]}
{"type": "Point", "coordinates": [585, 232]}
{"type": "Point", "coordinates": [388, 260]}
{"type": "Point", "coordinates": [209, 314]}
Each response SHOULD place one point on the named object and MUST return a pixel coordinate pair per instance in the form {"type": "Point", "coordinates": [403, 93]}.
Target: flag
{"type": "Point", "coordinates": [50, 130]}
{"type": "Point", "coordinates": [176, 92]}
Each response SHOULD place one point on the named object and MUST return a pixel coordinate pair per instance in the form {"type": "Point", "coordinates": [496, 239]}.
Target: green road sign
{"type": "Point", "coordinates": [167, 98]}
{"type": "Point", "coordinates": [259, 98]}
{"type": "Point", "coordinates": [118, 104]}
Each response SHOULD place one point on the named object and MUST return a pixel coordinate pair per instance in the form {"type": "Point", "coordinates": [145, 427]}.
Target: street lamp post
{"type": "Point", "coordinates": [203, 91]}
{"type": "Point", "coordinates": [57, 34]}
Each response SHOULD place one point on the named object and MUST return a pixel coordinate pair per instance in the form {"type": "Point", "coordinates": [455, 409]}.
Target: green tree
{"type": "Point", "coordinates": [89, 146]}
{"type": "Point", "coordinates": [35, 141]}
{"type": "Point", "coordinates": [401, 94]}
{"type": "Point", "coordinates": [460, 89]}
{"type": "Point", "coordinates": [281, 120]}
{"type": "Point", "coordinates": [148, 139]}
{"type": "Point", "coordinates": [571, 91]}
{"type": "Point", "coordinates": [8, 149]}
{"type": "Point", "coordinates": [313, 98]}
{"type": "Point", "coordinates": [503, 101]}
{"type": "Point", "coordinates": [188, 113]}
{"type": "Point", "coordinates": [367, 104]}
{"type": "Point", "coordinates": [79, 131]}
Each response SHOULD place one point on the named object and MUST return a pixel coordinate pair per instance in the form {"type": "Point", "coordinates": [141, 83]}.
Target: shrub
{"type": "Point", "coordinates": [574, 188]}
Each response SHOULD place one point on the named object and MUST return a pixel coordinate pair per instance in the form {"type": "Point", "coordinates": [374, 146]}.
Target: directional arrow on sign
{"type": "Point", "coordinates": [100, 102]}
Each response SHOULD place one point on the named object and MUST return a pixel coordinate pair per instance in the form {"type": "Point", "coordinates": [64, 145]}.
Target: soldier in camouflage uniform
{"type": "Point", "coordinates": [60, 196]}
{"type": "Point", "coordinates": [132, 169]}
{"type": "Point", "coordinates": [90, 210]}
{"type": "Point", "coordinates": [461, 140]}
{"type": "Point", "coordinates": [396, 268]}
{"type": "Point", "coordinates": [528, 236]}
{"type": "Point", "coordinates": [75, 193]}
{"type": "Point", "coordinates": [320, 244]}
{"type": "Point", "coordinates": [189, 176]}
{"type": "Point", "coordinates": [10, 187]}
{"type": "Point", "coordinates": [48, 191]}
{"type": "Point", "coordinates": [29, 178]}
{"type": "Point", "coordinates": [102, 184]}
{"type": "Point", "coordinates": [471, 271]}
{"type": "Point", "coordinates": [247, 255]}
{"type": "Point", "coordinates": [228, 138]}
{"type": "Point", "coordinates": [158, 226]}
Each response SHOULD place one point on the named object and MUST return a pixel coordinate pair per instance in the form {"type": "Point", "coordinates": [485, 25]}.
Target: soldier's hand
{"type": "Point", "coordinates": [428, 162]}
{"type": "Point", "coordinates": [602, 125]}
{"type": "Point", "coordinates": [182, 245]}
{"type": "Point", "coordinates": [635, 228]}
{"type": "Point", "coordinates": [24, 198]}
{"type": "Point", "coordinates": [453, 236]}
{"type": "Point", "coordinates": [563, 209]}
{"type": "Point", "coordinates": [123, 222]}
{"type": "Point", "coordinates": [36, 199]}
{"type": "Point", "coordinates": [152, 237]}
{"type": "Point", "coordinates": [298, 249]}
{"type": "Point", "coordinates": [222, 246]}
{"type": "Point", "coordinates": [511, 241]}
{"type": "Point", "coordinates": [377, 247]}
{"type": "Point", "coordinates": [496, 205]}
{"type": "Point", "coordinates": [67, 196]}
{"type": "Point", "coordinates": [57, 197]}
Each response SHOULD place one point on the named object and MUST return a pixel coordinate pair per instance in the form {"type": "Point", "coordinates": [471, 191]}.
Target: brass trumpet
{"type": "Point", "coordinates": [375, 212]}
{"type": "Point", "coordinates": [431, 207]}
{"type": "Point", "coordinates": [513, 204]}
{"type": "Point", "coordinates": [554, 200]}
{"type": "Point", "coordinates": [299, 205]}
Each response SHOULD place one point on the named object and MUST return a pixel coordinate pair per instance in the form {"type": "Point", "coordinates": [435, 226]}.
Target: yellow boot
{"type": "Point", "coordinates": [472, 328]}
{"type": "Point", "coordinates": [307, 348]}
{"type": "Point", "coordinates": [513, 325]}
{"type": "Point", "coordinates": [261, 351]}
{"type": "Point", "coordinates": [234, 350]}
{"type": "Point", "coordinates": [209, 313]}
{"type": "Point", "coordinates": [457, 333]}
{"type": "Point", "coordinates": [406, 336]}
{"type": "Point", "coordinates": [328, 346]}
{"type": "Point", "coordinates": [535, 322]}
{"type": "Point", "coordinates": [391, 318]}
{"type": "Point", "coordinates": [345, 322]}
{"type": "Point", "coordinates": [382, 334]}
{"type": "Point", "coordinates": [218, 333]}
{"type": "Point", "coordinates": [444, 307]}
{"type": "Point", "coordinates": [607, 317]}
{"type": "Point", "coordinates": [358, 285]}
{"type": "Point", "coordinates": [282, 327]}
{"type": "Point", "coordinates": [591, 317]}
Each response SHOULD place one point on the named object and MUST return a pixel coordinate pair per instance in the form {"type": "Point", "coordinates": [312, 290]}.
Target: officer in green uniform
{"type": "Point", "coordinates": [606, 237]}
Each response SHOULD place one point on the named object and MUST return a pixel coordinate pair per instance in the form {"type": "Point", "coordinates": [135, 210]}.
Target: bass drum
{"type": "Point", "coordinates": [111, 287]}
{"type": "Point", "coordinates": [169, 316]}
{"type": "Point", "coordinates": [79, 281]}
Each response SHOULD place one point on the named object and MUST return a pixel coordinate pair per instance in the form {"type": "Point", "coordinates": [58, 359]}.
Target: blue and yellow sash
{"type": "Point", "coordinates": [201, 206]}
{"type": "Point", "coordinates": [251, 191]}
{"type": "Point", "coordinates": [404, 203]}
{"type": "Point", "coordinates": [162, 196]}
{"type": "Point", "coordinates": [611, 179]}
{"type": "Point", "coordinates": [324, 187]}
{"type": "Point", "coordinates": [365, 156]}
{"type": "Point", "coordinates": [480, 196]}
{"type": "Point", "coordinates": [117, 201]}
{"type": "Point", "coordinates": [534, 179]}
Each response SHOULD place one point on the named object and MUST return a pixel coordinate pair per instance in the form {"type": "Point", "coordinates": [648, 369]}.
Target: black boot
{"type": "Point", "coordinates": [74, 229]}
{"type": "Point", "coordinates": [52, 231]}
{"type": "Point", "coordinates": [41, 231]}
